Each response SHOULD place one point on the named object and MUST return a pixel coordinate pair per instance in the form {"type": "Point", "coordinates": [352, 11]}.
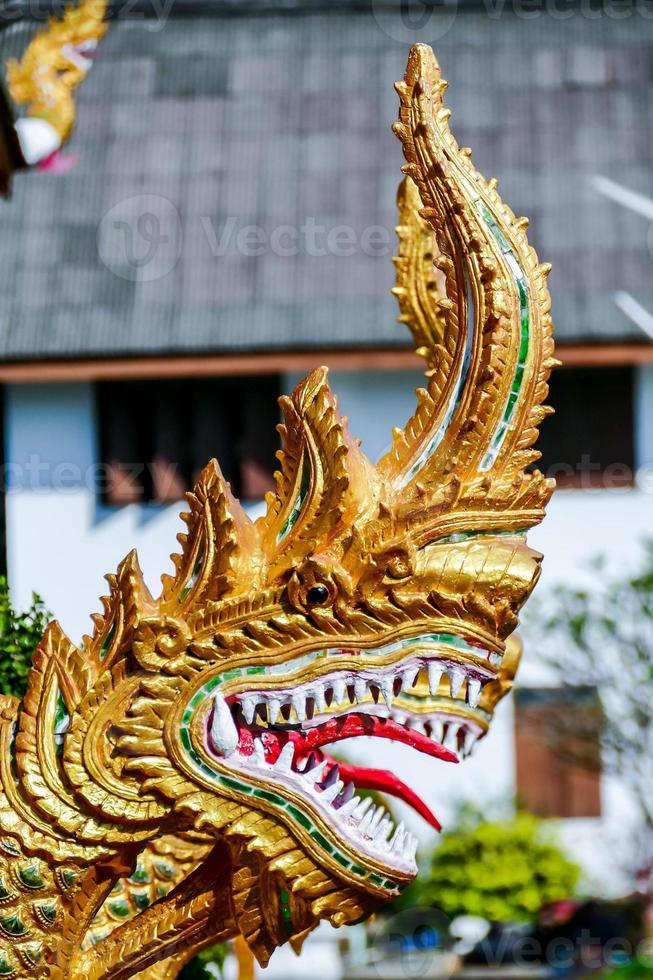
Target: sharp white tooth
{"type": "Point", "coordinates": [274, 707]}
{"type": "Point", "coordinates": [249, 709]}
{"type": "Point", "coordinates": [398, 837]}
{"type": "Point", "coordinates": [471, 739]}
{"type": "Point", "coordinates": [457, 677]}
{"type": "Point", "coordinates": [437, 731]}
{"type": "Point", "coordinates": [383, 830]}
{"type": "Point", "coordinates": [365, 823]}
{"type": "Point", "coordinates": [339, 691]}
{"type": "Point", "coordinates": [347, 794]}
{"type": "Point", "coordinates": [224, 733]}
{"type": "Point", "coordinates": [410, 847]}
{"type": "Point", "coordinates": [360, 689]}
{"type": "Point", "coordinates": [286, 757]}
{"type": "Point", "coordinates": [386, 690]}
{"type": "Point", "coordinates": [299, 704]}
{"type": "Point", "coordinates": [320, 700]}
{"type": "Point", "coordinates": [329, 794]}
{"type": "Point", "coordinates": [435, 673]}
{"type": "Point", "coordinates": [408, 678]}
{"type": "Point", "coordinates": [259, 752]}
{"type": "Point", "coordinates": [363, 808]}
{"type": "Point", "coordinates": [451, 740]}
{"type": "Point", "coordinates": [474, 688]}
{"type": "Point", "coordinates": [309, 698]}
{"type": "Point", "coordinates": [376, 819]}
{"type": "Point", "coordinates": [348, 808]}
{"type": "Point", "coordinates": [315, 774]}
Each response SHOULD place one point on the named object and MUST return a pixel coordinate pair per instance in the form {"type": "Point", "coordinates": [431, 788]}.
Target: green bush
{"type": "Point", "coordinates": [197, 968]}
{"type": "Point", "coordinates": [634, 971]}
{"type": "Point", "coordinates": [503, 870]}
{"type": "Point", "coordinates": [19, 635]}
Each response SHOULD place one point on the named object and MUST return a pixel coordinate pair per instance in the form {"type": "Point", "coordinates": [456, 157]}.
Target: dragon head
{"type": "Point", "coordinates": [53, 65]}
{"type": "Point", "coordinates": [369, 600]}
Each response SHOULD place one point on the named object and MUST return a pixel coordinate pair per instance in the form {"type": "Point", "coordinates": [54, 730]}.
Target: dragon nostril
{"type": "Point", "coordinates": [317, 595]}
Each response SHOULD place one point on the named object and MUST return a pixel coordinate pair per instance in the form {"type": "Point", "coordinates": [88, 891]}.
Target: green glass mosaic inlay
{"type": "Point", "coordinates": [6, 969]}
{"type": "Point", "coordinates": [284, 903]}
{"type": "Point", "coordinates": [300, 500]}
{"type": "Point", "coordinates": [13, 925]}
{"type": "Point", "coordinates": [33, 952]}
{"type": "Point", "coordinates": [68, 877]}
{"type": "Point", "coordinates": [142, 900]}
{"type": "Point", "coordinates": [31, 876]}
{"type": "Point", "coordinates": [120, 908]}
{"type": "Point", "coordinates": [47, 912]}
{"type": "Point", "coordinates": [106, 643]}
{"type": "Point", "coordinates": [164, 869]}
{"type": "Point", "coordinates": [519, 278]}
{"type": "Point", "coordinates": [140, 875]}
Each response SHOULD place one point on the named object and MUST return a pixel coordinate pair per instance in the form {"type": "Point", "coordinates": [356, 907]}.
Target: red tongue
{"type": "Point", "coordinates": [387, 782]}
{"type": "Point", "coordinates": [355, 725]}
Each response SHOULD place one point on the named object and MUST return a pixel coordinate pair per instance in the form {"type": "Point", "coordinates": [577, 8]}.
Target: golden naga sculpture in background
{"type": "Point", "coordinates": [54, 64]}
{"type": "Point", "coordinates": [167, 784]}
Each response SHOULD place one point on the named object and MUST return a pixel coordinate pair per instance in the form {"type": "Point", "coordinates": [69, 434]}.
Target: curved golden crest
{"type": "Point", "coordinates": [488, 343]}
{"type": "Point", "coordinates": [369, 601]}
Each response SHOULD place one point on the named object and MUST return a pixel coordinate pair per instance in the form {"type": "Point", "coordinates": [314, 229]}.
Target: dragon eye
{"type": "Point", "coordinates": [317, 595]}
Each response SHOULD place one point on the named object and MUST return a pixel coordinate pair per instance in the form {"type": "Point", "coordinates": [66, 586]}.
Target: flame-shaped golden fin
{"type": "Point", "coordinates": [488, 338]}
{"type": "Point", "coordinates": [421, 289]}
{"type": "Point", "coordinates": [323, 477]}
{"type": "Point", "coordinates": [218, 531]}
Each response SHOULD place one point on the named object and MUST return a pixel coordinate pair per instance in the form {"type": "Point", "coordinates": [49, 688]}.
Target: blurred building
{"type": "Point", "coordinates": [228, 224]}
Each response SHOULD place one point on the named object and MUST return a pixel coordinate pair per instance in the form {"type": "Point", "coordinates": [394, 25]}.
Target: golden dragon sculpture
{"type": "Point", "coordinates": [54, 64]}
{"type": "Point", "coordinates": [166, 784]}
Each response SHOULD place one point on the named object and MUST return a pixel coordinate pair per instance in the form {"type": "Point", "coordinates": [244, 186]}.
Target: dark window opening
{"type": "Point", "coordinates": [157, 436]}
{"type": "Point", "coordinates": [589, 442]}
{"type": "Point", "coordinates": [558, 751]}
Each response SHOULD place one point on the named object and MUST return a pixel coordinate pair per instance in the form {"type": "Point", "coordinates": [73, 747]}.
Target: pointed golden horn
{"type": "Point", "coordinates": [487, 338]}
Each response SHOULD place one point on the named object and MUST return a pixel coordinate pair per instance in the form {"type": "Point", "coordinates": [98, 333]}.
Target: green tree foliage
{"type": "Point", "coordinates": [198, 968]}
{"type": "Point", "coordinates": [503, 870]}
{"type": "Point", "coordinates": [19, 634]}
{"type": "Point", "coordinates": [634, 971]}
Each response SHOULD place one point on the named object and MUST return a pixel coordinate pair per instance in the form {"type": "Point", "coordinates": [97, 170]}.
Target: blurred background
{"type": "Point", "coordinates": [222, 221]}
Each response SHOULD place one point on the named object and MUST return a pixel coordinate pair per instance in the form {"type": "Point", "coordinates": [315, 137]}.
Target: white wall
{"type": "Point", "coordinates": [61, 542]}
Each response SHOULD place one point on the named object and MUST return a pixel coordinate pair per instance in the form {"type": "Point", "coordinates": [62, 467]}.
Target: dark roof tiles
{"type": "Point", "coordinates": [189, 135]}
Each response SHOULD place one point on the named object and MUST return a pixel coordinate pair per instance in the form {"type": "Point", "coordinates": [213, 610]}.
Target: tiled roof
{"type": "Point", "coordinates": [190, 132]}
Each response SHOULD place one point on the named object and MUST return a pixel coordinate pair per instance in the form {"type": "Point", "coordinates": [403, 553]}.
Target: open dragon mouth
{"type": "Point", "coordinates": [427, 699]}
